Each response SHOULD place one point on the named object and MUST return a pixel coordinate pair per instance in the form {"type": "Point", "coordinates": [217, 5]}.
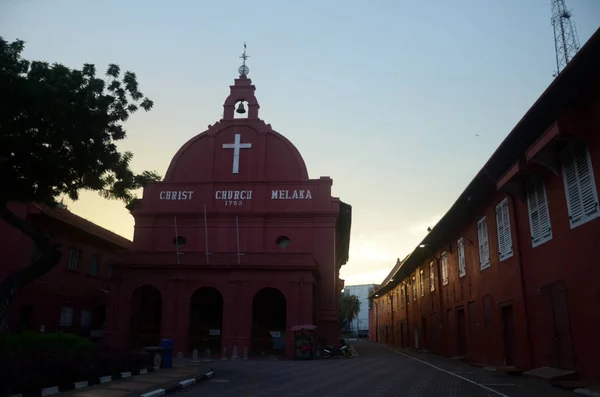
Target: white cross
{"type": "Point", "coordinates": [236, 146]}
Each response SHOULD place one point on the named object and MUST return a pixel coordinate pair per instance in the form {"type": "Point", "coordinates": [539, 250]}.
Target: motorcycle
{"type": "Point", "coordinates": [342, 349]}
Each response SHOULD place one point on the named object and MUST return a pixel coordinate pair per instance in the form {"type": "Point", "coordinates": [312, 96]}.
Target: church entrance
{"type": "Point", "coordinates": [146, 314]}
{"type": "Point", "coordinates": [206, 320]}
{"type": "Point", "coordinates": [269, 321]}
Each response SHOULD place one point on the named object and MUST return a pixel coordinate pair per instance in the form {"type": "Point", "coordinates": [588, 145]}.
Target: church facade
{"type": "Point", "coordinates": [234, 247]}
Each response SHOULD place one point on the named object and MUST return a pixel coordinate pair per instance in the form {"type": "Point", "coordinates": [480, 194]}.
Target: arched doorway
{"type": "Point", "coordinates": [146, 315]}
{"type": "Point", "coordinates": [206, 320]}
{"type": "Point", "coordinates": [269, 322]}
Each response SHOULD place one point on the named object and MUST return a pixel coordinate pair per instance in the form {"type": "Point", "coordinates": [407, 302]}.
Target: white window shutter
{"type": "Point", "coordinates": [539, 216]}
{"type": "Point", "coordinates": [505, 249]}
{"type": "Point", "coordinates": [484, 246]}
{"type": "Point", "coordinates": [580, 187]}
{"type": "Point", "coordinates": [500, 227]}
{"type": "Point", "coordinates": [431, 277]}
{"type": "Point", "coordinates": [462, 266]}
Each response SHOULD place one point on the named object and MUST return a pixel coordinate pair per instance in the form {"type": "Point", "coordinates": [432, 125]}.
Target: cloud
{"type": "Point", "coordinates": [368, 251]}
{"type": "Point", "coordinates": [358, 278]}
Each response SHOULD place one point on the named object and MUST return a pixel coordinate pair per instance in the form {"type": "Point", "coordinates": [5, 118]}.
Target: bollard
{"type": "Point", "coordinates": [245, 354]}
{"type": "Point", "coordinates": [195, 362]}
{"type": "Point", "coordinates": [224, 357]}
{"type": "Point", "coordinates": [234, 354]}
{"type": "Point", "coordinates": [207, 356]}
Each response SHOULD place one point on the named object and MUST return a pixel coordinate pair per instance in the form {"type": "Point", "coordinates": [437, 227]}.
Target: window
{"type": "Point", "coordinates": [422, 282]}
{"type": "Point", "coordinates": [580, 189]}
{"type": "Point", "coordinates": [86, 318]}
{"type": "Point", "coordinates": [505, 248]}
{"type": "Point", "coordinates": [94, 263]}
{"type": "Point", "coordinates": [66, 316]}
{"type": "Point", "coordinates": [74, 258]}
{"type": "Point", "coordinates": [402, 294]}
{"type": "Point", "coordinates": [539, 217]}
{"type": "Point", "coordinates": [414, 288]}
{"type": "Point", "coordinates": [484, 246]}
{"type": "Point", "coordinates": [408, 292]}
{"type": "Point", "coordinates": [109, 271]}
{"type": "Point", "coordinates": [462, 263]}
{"type": "Point", "coordinates": [444, 268]}
{"type": "Point", "coordinates": [431, 277]}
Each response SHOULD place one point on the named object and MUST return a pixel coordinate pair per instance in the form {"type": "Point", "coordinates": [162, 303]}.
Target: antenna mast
{"type": "Point", "coordinates": [566, 41]}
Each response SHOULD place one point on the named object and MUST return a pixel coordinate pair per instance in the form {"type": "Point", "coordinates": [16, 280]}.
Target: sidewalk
{"type": "Point", "coordinates": [152, 384]}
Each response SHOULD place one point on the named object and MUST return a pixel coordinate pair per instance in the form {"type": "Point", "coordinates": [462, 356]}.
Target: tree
{"type": "Point", "coordinates": [58, 133]}
{"type": "Point", "coordinates": [349, 309]}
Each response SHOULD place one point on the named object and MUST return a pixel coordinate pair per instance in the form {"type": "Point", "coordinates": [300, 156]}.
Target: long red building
{"type": "Point", "coordinates": [509, 275]}
{"type": "Point", "coordinates": [234, 247]}
{"type": "Point", "coordinates": [72, 297]}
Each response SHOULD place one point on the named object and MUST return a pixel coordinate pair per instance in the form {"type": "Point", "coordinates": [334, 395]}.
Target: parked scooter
{"type": "Point", "coordinates": [342, 349]}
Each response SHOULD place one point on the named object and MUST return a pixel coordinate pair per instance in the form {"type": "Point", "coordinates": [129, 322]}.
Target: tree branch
{"type": "Point", "coordinates": [49, 257]}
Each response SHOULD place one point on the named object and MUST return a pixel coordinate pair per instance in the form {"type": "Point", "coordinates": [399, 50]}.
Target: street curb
{"type": "Point", "coordinates": [172, 388]}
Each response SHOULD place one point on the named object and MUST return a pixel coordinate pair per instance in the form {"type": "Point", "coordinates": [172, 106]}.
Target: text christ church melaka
{"type": "Point", "coordinates": [234, 248]}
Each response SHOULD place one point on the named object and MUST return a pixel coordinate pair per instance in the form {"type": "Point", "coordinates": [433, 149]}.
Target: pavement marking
{"type": "Point", "coordinates": [448, 372]}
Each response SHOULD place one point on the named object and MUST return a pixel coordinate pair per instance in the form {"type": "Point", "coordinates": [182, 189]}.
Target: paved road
{"type": "Point", "coordinates": [377, 371]}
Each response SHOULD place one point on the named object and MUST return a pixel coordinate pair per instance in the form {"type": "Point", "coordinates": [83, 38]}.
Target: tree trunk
{"type": "Point", "coordinates": [48, 259]}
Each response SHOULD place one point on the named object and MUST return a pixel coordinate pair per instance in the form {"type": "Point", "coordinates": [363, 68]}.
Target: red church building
{"type": "Point", "coordinates": [509, 275]}
{"type": "Point", "coordinates": [234, 247]}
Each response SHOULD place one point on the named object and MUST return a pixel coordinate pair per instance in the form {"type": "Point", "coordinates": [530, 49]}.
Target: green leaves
{"type": "Point", "coordinates": [349, 308]}
{"type": "Point", "coordinates": [59, 128]}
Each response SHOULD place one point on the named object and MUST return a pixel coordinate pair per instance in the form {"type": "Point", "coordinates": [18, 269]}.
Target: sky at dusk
{"type": "Point", "coordinates": [400, 102]}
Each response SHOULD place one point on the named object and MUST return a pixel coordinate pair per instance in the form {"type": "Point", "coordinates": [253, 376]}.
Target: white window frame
{"type": "Point", "coordinates": [444, 259]}
{"type": "Point", "coordinates": [86, 319]}
{"type": "Point", "coordinates": [414, 288]}
{"type": "Point", "coordinates": [462, 262]}
{"type": "Point", "coordinates": [422, 282]}
{"type": "Point", "coordinates": [74, 258]}
{"type": "Point", "coordinates": [66, 316]}
{"type": "Point", "coordinates": [573, 190]}
{"type": "Point", "coordinates": [539, 214]}
{"type": "Point", "coordinates": [483, 241]}
{"type": "Point", "coordinates": [431, 276]}
{"type": "Point", "coordinates": [503, 229]}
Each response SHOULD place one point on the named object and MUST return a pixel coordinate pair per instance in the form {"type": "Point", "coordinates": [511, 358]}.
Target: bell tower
{"type": "Point", "coordinates": [241, 91]}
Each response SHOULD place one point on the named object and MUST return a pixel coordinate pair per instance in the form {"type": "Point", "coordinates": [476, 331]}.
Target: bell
{"type": "Point", "coordinates": [241, 109]}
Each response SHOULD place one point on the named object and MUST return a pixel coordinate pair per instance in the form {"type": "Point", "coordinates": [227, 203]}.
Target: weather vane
{"type": "Point", "coordinates": [244, 70]}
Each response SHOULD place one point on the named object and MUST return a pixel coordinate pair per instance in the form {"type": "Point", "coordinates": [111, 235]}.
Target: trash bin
{"type": "Point", "coordinates": [167, 345]}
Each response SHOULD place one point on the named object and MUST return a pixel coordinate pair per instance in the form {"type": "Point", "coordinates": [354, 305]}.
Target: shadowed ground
{"type": "Point", "coordinates": [378, 371]}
